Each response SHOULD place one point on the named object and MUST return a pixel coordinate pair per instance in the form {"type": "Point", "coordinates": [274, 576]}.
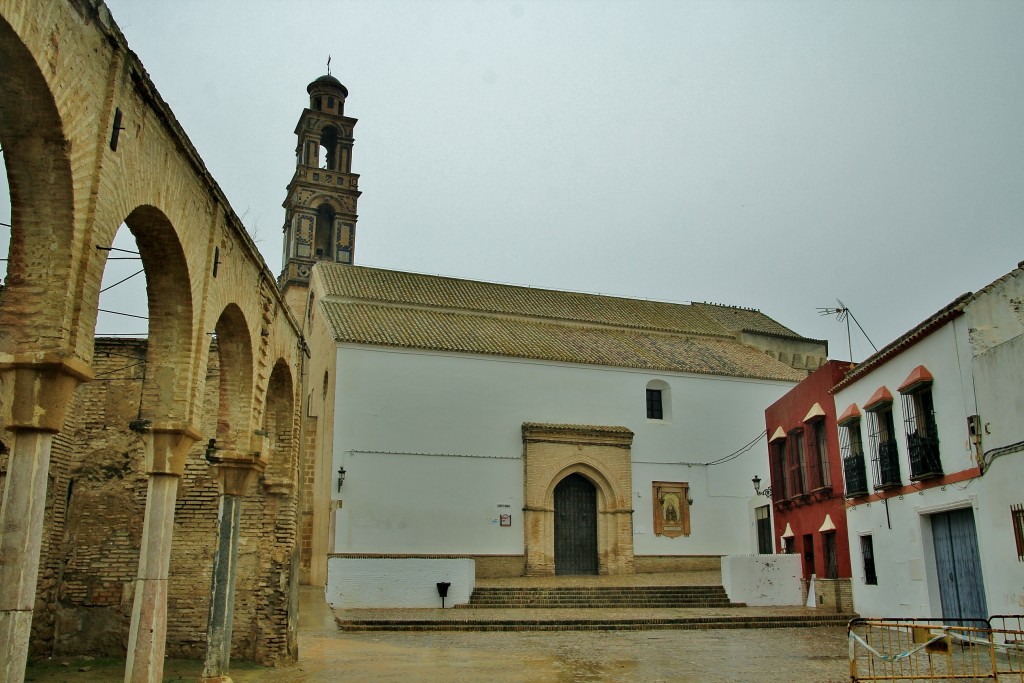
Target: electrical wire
{"type": "Point", "coordinates": [122, 281]}
{"type": "Point", "coordinates": [720, 461]}
{"type": "Point", "coordinates": [110, 372]}
{"type": "Point", "coordinates": [127, 315]}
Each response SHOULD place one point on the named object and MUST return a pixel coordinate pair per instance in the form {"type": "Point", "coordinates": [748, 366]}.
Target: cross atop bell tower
{"type": "Point", "coordinates": [320, 207]}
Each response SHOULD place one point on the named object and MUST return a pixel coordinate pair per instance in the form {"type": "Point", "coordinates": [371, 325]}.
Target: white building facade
{"type": "Point", "coordinates": [462, 412]}
{"type": "Point", "coordinates": [936, 421]}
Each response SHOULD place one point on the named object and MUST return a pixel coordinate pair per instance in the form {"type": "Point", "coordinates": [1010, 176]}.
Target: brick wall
{"type": "Point", "coordinates": [650, 564]}
{"type": "Point", "coordinates": [92, 535]}
{"type": "Point", "coordinates": [833, 594]}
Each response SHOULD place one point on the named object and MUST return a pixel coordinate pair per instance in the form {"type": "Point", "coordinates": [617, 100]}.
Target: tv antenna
{"type": "Point", "coordinates": [844, 314]}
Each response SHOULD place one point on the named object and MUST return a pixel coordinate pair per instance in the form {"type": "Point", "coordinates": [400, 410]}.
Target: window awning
{"type": "Point", "coordinates": [850, 414]}
{"type": "Point", "coordinates": [815, 412]}
{"type": "Point", "coordinates": [919, 376]}
{"type": "Point", "coordinates": [777, 434]}
{"type": "Point", "coordinates": [880, 396]}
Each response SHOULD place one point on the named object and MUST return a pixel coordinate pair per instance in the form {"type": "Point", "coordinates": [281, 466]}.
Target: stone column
{"type": "Point", "coordinates": [166, 450]}
{"type": "Point", "coordinates": [235, 472]}
{"type": "Point", "coordinates": [43, 388]}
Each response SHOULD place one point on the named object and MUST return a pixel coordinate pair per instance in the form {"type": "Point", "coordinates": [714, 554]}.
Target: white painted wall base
{"type": "Point", "coordinates": [762, 579]}
{"type": "Point", "coordinates": [397, 582]}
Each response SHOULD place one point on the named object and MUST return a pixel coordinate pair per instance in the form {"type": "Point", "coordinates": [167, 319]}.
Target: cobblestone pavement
{"type": "Point", "coordinates": [762, 655]}
{"type": "Point", "coordinates": [781, 655]}
{"type": "Point", "coordinates": [817, 655]}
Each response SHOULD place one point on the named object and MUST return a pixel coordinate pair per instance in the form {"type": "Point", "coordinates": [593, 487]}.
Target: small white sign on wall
{"type": "Point", "coordinates": [504, 515]}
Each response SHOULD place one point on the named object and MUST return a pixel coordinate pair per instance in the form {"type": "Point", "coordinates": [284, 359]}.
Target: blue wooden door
{"type": "Point", "coordinates": [958, 565]}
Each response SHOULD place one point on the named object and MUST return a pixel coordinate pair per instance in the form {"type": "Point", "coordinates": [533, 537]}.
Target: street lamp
{"type": "Point", "coordinates": [341, 477]}
{"type": "Point", "coordinates": [767, 493]}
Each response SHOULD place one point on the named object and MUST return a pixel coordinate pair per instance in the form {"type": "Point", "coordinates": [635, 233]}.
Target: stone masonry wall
{"type": "Point", "coordinates": [92, 535]}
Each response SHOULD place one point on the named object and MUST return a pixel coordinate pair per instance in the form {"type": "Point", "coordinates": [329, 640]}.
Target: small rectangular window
{"type": "Point", "coordinates": [922, 434]}
{"type": "Point", "coordinates": [764, 530]}
{"type": "Point", "coordinates": [867, 551]}
{"type": "Point", "coordinates": [809, 567]}
{"type": "Point", "coordinates": [884, 453]}
{"type": "Point", "coordinates": [330, 103]}
{"type": "Point", "coordinates": [818, 460]}
{"type": "Point", "coordinates": [828, 543]}
{"type": "Point", "coordinates": [1017, 514]}
{"type": "Point", "coordinates": [654, 404]}
{"type": "Point", "coordinates": [853, 459]}
{"type": "Point", "coordinates": [780, 486]}
{"type": "Point", "coordinates": [797, 464]}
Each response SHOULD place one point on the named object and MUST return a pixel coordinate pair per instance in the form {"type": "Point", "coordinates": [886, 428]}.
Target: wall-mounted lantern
{"type": "Point", "coordinates": [341, 477]}
{"type": "Point", "coordinates": [767, 493]}
{"type": "Point", "coordinates": [211, 452]}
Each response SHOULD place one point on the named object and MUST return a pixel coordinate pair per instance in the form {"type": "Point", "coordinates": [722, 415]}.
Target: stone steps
{"type": "Point", "coordinates": [589, 597]}
{"type": "Point", "coordinates": [604, 622]}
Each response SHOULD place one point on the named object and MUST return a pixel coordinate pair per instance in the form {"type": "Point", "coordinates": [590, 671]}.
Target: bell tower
{"type": "Point", "coordinates": [320, 206]}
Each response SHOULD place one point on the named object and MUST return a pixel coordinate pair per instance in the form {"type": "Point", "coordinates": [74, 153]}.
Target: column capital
{"type": "Point", "coordinates": [236, 470]}
{"type": "Point", "coordinates": [43, 386]}
{"type": "Point", "coordinates": [167, 446]}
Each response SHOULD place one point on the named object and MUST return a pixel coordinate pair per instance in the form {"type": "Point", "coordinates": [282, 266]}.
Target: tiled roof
{"type": "Point", "coordinates": [576, 428]}
{"type": "Point", "coordinates": [406, 310]}
{"type": "Point", "coordinates": [744, 320]}
{"type": "Point", "coordinates": [392, 286]}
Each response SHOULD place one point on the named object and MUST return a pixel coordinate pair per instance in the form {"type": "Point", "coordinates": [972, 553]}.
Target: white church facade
{"type": "Point", "coordinates": [461, 429]}
{"type": "Point", "coordinates": [457, 409]}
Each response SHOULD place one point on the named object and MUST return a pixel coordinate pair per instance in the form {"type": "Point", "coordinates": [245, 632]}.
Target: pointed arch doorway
{"type": "Point", "coordinates": [575, 526]}
{"type": "Point", "coordinates": [577, 507]}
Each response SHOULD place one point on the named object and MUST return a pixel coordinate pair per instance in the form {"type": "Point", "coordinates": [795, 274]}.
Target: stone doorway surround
{"type": "Point", "coordinates": [603, 455]}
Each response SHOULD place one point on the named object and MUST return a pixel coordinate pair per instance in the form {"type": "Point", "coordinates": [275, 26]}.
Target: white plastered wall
{"type": "Point", "coordinates": [432, 445]}
{"type": "Point", "coordinates": [901, 527]}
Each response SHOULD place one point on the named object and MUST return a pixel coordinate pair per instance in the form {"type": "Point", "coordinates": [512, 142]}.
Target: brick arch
{"type": "Point", "coordinates": [609, 494]}
{"type": "Point", "coordinates": [234, 348]}
{"type": "Point", "coordinates": [68, 81]}
{"type": "Point", "coordinates": [329, 123]}
{"type": "Point", "coordinates": [167, 387]}
{"type": "Point", "coordinates": [37, 154]}
{"type": "Point", "coordinates": [321, 199]}
{"type": "Point", "coordinates": [279, 424]}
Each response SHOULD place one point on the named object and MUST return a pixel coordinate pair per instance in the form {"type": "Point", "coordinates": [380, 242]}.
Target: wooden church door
{"type": "Point", "coordinates": [575, 526]}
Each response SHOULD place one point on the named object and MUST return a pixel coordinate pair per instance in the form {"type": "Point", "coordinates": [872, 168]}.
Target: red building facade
{"type": "Point", "coordinates": [807, 483]}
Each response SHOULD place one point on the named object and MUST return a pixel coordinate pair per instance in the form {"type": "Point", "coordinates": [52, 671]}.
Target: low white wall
{"type": "Point", "coordinates": [762, 579]}
{"type": "Point", "coordinates": [397, 582]}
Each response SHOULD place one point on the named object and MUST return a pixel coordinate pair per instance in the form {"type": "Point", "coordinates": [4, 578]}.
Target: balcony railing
{"type": "Point", "coordinates": [887, 466]}
{"type": "Point", "coordinates": [856, 476]}
{"type": "Point", "coordinates": [924, 456]}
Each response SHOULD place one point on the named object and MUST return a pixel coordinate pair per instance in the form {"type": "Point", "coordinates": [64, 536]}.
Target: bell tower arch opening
{"type": "Point", "coordinates": [329, 144]}
{"type": "Point", "coordinates": [323, 233]}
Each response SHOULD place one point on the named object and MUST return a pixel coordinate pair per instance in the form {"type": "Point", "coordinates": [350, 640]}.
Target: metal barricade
{"type": "Point", "coordinates": [937, 649]}
{"type": "Point", "coordinates": [1008, 641]}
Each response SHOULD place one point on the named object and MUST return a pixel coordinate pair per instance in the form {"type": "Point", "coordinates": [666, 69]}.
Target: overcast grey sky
{"type": "Point", "coordinates": [777, 155]}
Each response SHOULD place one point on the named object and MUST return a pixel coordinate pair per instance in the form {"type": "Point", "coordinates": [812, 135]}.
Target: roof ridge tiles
{"type": "Point", "coordinates": [461, 331]}
{"type": "Point", "coordinates": [366, 283]}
